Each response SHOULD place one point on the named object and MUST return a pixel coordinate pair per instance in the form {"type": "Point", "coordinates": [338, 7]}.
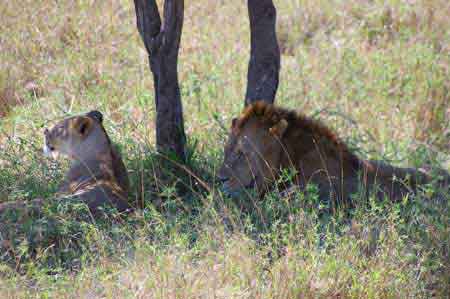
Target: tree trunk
{"type": "Point", "coordinates": [162, 45]}
{"type": "Point", "coordinates": [264, 65]}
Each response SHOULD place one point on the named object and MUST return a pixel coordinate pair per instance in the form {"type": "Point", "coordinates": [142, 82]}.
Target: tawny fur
{"type": "Point", "coordinates": [318, 155]}
{"type": "Point", "coordinates": [97, 175]}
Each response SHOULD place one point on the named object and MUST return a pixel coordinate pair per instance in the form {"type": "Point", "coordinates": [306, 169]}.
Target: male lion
{"type": "Point", "coordinates": [266, 139]}
{"type": "Point", "coordinates": [97, 176]}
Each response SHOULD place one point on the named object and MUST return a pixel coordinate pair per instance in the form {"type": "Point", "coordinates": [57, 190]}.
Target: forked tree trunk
{"type": "Point", "coordinates": [162, 45]}
{"type": "Point", "coordinates": [264, 65]}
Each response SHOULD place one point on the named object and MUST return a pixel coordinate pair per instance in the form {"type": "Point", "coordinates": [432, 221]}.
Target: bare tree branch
{"type": "Point", "coordinates": [264, 65]}
{"type": "Point", "coordinates": [162, 44]}
{"type": "Point", "coordinates": [148, 21]}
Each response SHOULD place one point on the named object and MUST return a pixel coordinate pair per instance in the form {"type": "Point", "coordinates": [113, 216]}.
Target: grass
{"type": "Point", "coordinates": [376, 71]}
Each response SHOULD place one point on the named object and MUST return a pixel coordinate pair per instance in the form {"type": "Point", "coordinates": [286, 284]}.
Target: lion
{"type": "Point", "coordinates": [97, 175]}
{"type": "Point", "coordinates": [266, 139]}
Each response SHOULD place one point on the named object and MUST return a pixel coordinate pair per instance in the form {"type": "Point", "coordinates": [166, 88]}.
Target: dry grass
{"type": "Point", "coordinates": [236, 267]}
{"type": "Point", "coordinates": [433, 125]}
{"type": "Point", "coordinates": [377, 71]}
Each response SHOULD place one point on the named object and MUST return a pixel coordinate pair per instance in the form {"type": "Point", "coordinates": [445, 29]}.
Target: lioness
{"type": "Point", "coordinates": [97, 175]}
{"type": "Point", "coordinates": [266, 139]}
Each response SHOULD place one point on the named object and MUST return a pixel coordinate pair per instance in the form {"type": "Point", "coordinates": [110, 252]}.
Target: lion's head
{"type": "Point", "coordinates": [253, 150]}
{"type": "Point", "coordinates": [76, 137]}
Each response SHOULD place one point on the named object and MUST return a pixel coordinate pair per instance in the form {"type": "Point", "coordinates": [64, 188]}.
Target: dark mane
{"type": "Point", "coordinates": [297, 123]}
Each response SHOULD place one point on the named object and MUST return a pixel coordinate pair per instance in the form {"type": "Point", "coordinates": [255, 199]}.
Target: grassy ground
{"type": "Point", "coordinates": [376, 71]}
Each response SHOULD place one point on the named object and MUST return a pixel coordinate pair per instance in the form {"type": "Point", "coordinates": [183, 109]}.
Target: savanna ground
{"type": "Point", "coordinates": [376, 71]}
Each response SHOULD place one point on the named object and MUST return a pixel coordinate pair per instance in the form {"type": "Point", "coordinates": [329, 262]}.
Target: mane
{"type": "Point", "coordinates": [297, 122]}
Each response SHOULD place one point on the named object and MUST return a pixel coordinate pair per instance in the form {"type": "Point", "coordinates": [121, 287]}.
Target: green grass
{"type": "Point", "coordinates": [375, 71]}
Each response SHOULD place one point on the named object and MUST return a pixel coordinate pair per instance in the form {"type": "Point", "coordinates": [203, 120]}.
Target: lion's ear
{"type": "Point", "coordinates": [279, 128]}
{"type": "Point", "coordinates": [96, 115]}
{"type": "Point", "coordinates": [83, 126]}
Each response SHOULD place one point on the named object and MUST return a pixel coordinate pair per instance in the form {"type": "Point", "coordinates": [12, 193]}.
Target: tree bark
{"type": "Point", "coordinates": [264, 65]}
{"type": "Point", "coordinates": [162, 45]}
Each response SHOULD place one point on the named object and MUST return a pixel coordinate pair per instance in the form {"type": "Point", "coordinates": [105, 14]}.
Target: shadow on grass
{"type": "Point", "coordinates": [182, 201]}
